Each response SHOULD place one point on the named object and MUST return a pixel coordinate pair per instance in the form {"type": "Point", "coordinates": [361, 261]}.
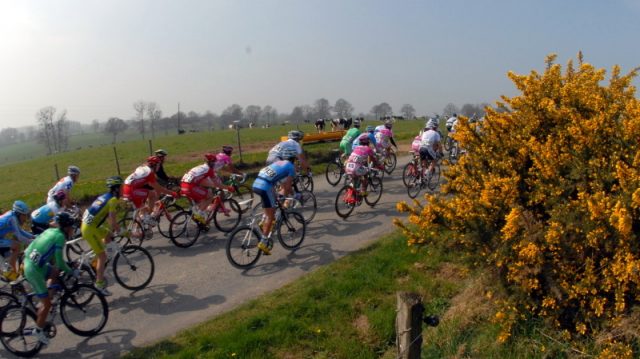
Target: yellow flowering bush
{"type": "Point", "coordinates": [548, 192]}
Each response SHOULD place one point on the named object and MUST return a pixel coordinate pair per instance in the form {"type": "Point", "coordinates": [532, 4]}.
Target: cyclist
{"type": "Point", "coordinates": [451, 122]}
{"type": "Point", "coordinates": [162, 176]}
{"type": "Point", "coordinates": [224, 163]}
{"type": "Point", "coordinates": [41, 217]}
{"type": "Point", "coordinates": [357, 163]}
{"type": "Point", "coordinates": [96, 218]}
{"type": "Point", "coordinates": [12, 236]}
{"type": "Point", "coordinates": [293, 142]}
{"type": "Point", "coordinates": [349, 137]}
{"type": "Point", "coordinates": [136, 189]}
{"type": "Point", "coordinates": [370, 130]}
{"type": "Point", "coordinates": [198, 183]}
{"type": "Point", "coordinates": [384, 137]}
{"type": "Point", "coordinates": [43, 260]}
{"type": "Point", "coordinates": [430, 145]}
{"type": "Point", "coordinates": [65, 184]}
{"type": "Point", "coordinates": [282, 171]}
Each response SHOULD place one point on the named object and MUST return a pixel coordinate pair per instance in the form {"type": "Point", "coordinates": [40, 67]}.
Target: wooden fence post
{"type": "Point", "coordinates": [409, 325]}
{"type": "Point", "coordinates": [150, 148]}
{"type": "Point", "coordinates": [55, 167]}
{"type": "Point", "coordinates": [115, 154]}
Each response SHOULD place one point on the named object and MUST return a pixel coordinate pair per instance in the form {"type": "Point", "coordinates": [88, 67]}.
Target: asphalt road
{"type": "Point", "coordinates": [193, 284]}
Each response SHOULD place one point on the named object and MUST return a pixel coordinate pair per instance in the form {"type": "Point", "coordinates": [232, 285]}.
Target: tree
{"type": "Point", "coordinates": [548, 206]}
{"type": "Point", "coordinates": [322, 108]}
{"type": "Point", "coordinates": [382, 110]}
{"type": "Point", "coordinates": [54, 134]}
{"type": "Point", "coordinates": [252, 113]}
{"type": "Point", "coordinates": [95, 124]}
{"type": "Point", "coordinates": [408, 111]}
{"type": "Point", "coordinates": [140, 108]}
{"type": "Point", "coordinates": [114, 126]}
{"type": "Point", "coordinates": [8, 136]}
{"type": "Point", "coordinates": [297, 114]}
{"type": "Point", "coordinates": [154, 113]}
{"type": "Point", "coordinates": [343, 108]}
{"type": "Point", "coordinates": [269, 115]}
{"type": "Point", "coordinates": [231, 114]}
{"type": "Point", "coordinates": [449, 110]}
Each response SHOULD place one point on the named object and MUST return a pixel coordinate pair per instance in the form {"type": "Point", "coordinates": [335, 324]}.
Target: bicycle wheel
{"type": "Point", "coordinates": [134, 229]}
{"type": "Point", "coordinates": [184, 230]}
{"type": "Point", "coordinates": [308, 205]}
{"type": "Point", "coordinates": [133, 267]}
{"type": "Point", "coordinates": [242, 247]}
{"type": "Point", "coordinates": [291, 229]}
{"type": "Point", "coordinates": [375, 191]}
{"type": "Point", "coordinates": [453, 153]}
{"type": "Point", "coordinates": [345, 201]}
{"type": "Point", "coordinates": [447, 143]}
{"type": "Point", "coordinates": [16, 331]}
{"type": "Point", "coordinates": [414, 187]}
{"type": "Point", "coordinates": [73, 251]}
{"type": "Point", "coordinates": [408, 171]}
{"type": "Point", "coordinates": [227, 222]}
{"type": "Point", "coordinates": [164, 221]}
{"type": "Point", "coordinates": [390, 163]}
{"type": "Point", "coordinates": [333, 173]}
{"type": "Point", "coordinates": [433, 178]}
{"type": "Point", "coordinates": [244, 197]}
{"type": "Point", "coordinates": [6, 299]}
{"type": "Point", "coordinates": [84, 310]}
{"type": "Point", "coordinates": [307, 182]}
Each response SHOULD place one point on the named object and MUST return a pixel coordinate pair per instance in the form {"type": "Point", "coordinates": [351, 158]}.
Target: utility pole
{"type": "Point", "coordinates": [179, 127]}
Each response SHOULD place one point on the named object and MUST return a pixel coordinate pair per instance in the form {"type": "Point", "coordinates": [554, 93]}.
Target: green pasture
{"type": "Point", "coordinates": [29, 180]}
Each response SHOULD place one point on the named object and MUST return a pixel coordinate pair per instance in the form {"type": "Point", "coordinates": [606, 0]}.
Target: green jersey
{"type": "Point", "coordinates": [351, 136]}
{"type": "Point", "coordinates": [48, 245]}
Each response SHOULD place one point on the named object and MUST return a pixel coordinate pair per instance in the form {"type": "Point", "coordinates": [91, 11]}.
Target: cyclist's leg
{"type": "Point", "coordinates": [36, 276]}
{"type": "Point", "coordinates": [94, 237]}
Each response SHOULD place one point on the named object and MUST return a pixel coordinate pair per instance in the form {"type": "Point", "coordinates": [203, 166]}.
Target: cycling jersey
{"type": "Point", "coordinates": [45, 214]}
{"type": "Point", "coordinates": [428, 142]}
{"type": "Point", "coordinates": [64, 184]}
{"type": "Point", "coordinates": [38, 255]}
{"type": "Point", "coordinates": [264, 185]}
{"type": "Point", "coordinates": [383, 137]}
{"type": "Point", "coordinates": [10, 230]}
{"type": "Point", "coordinates": [222, 159]}
{"type": "Point", "coordinates": [415, 145]}
{"type": "Point", "coordinates": [358, 160]}
{"type": "Point", "coordinates": [190, 184]}
{"type": "Point", "coordinates": [275, 151]}
{"type": "Point", "coordinates": [134, 188]}
{"type": "Point", "coordinates": [450, 123]}
{"type": "Point", "coordinates": [347, 140]}
{"type": "Point", "coordinates": [95, 216]}
{"type": "Point", "coordinates": [372, 141]}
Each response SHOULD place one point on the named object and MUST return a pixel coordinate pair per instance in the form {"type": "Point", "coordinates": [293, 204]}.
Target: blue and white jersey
{"type": "Point", "coordinates": [65, 184]}
{"type": "Point", "coordinates": [275, 151]}
{"type": "Point", "coordinates": [10, 230]}
{"type": "Point", "coordinates": [45, 214]}
{"type": "Point", "coordinates": [372, 141]}
{"type": "Point", "coordinates": [274, 173]}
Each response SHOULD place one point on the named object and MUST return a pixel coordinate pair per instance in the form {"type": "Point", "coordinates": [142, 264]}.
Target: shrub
{"type": "Point", "coordinates": [549, 193]}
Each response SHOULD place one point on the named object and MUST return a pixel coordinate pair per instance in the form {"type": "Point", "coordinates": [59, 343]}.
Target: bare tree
{"type": "Point", "coordinates": [8, 136]}
{"type": "Point", "coordinates": [95, 124]}
{"type": "Point", "coordinates": [343, 108]}
{"type": "Point", "coordinates": [154, 113]}
{"type": "Point", "coordinates": [269, 114]}
{"type": "Point", "coordinates": [297, 114]}
{"type": "Point", "coordinates": [408, 111]}
{"type": "Point", "coordinates": [114, 126]}
{"type": "Point", "coordinates": [322, 108]}
{"type": "Point", "coordinates": [449, 110]}
{"type": "Point", "coordinates": [252, 113]}
{"type": "Point", "coordinates": [382, 110]}
{"type": "Point", "coordinates": [230, 114]}
{"type": "Point", "coordinates": [140, 107]}
{"type": "Point", "coordinates": [54, 134]}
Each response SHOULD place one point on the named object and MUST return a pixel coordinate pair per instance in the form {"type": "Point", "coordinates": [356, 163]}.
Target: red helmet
{"type": "Point", "coordinates": [210, 157]}
{"type": "Point", "coordinates": [153, 160]}
{"type": "Point", "coordinates": [60, 196]}
{"type": "Point", "coordinates": [226, 149]}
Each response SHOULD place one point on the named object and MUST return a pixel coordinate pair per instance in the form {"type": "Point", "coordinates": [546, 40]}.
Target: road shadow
{"type": "Point", "coordinates": [107, 344]}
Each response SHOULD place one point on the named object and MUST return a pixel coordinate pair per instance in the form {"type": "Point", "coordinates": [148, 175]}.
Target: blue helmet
{"type": "Point", "coordinates": [20, 207]}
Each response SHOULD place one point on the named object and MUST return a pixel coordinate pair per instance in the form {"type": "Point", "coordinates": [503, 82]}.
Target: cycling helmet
{"type": "Point", "coordinates": [73, 170]}
{"type": "Point", "coordinates": [20, 207]}
{"type": "Point", "coordinates": [388, 124]}
{"type": "Point", "coordinates": [370, 128]}
{"type": "Point", "coordinates": [210, 157]}
{"type": "Point", "coordinates": [64, 220]}
{"type": "Point", "coordinates": [226, 149]}
{"type": "Point", "coordinates": [363, 139]}
{"type": "Point", "coordinates": [114, 181]}
{"type": "Point", "coordinates": [160, 152]}
{"type": "Point", "coordinates": [153, 160]}
{"type": "Point", "coordinates": [356, 123]}
{"type": "Point", "coordinates": [296, 135]}
{"type": "Point", "coordinates": [431, 124]}
{"type": "Point", "coordinates": [288, 153]}
{"type": "Point", "coordinates": [60, 196]}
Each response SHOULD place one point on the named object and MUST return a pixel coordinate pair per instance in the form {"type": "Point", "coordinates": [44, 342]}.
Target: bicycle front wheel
{"type": "Point", "coordinates": [6, 299]}
{"type": "Point", "coordinates": [414, 187]}
{"type": "Point", "coordinates": [375, 191]}
{"type": "Point", "coordinates": [133, 267]}
{"type": "Point", "coordinates": [16, 331]}
{"type": "Point", "coordinates": [390, 163]}
{"type": "Point", "coordinates": [164, 221]}
{"type": "Point", "coordinates": [307, 182]}
{"type": "Point", "coordinates": [136, 233]}
{"type": "Point", "coordinates": [242, 247]}
{"type": "Point", "coordinates": [308, 205]}
{"type": "Point", "coordinates": [84, 310]}
{"type": "Point", "coordinates": [433, 178]}
{"type": "Point", "coordinates": [345, 201]}
{"type": "Point", "coordinates": [291, 229]}
{"type": "Point", "coordinates": [227, 222]}
{"type": "Point", "coordinates": [184, 230]}
{"type": "Point", "coordinates": [333, 173]}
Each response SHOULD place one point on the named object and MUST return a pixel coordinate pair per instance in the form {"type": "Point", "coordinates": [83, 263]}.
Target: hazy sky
{"type": "Point", "coordinates": [95, 58]}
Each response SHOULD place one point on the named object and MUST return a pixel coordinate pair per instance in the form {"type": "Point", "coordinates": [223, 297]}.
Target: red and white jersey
{"type": "Point", "coordinates": [198, 174]}
{"type": "Point", "coordinates": [222, 159]}
{"type": "Point", "coordinates": [140, 177]}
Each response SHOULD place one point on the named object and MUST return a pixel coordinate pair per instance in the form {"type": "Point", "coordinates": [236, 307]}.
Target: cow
{"type": "Point", "coordinates": [338, 124]}
{"type": "Point", "coordinates": [320, 125]}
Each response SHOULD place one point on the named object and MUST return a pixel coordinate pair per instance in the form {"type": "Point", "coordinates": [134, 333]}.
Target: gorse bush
{"type": "Point", "coordinates": [548, 192]}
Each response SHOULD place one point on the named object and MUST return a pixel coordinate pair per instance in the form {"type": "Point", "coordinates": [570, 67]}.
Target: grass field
{"type": "Point", "coordinates": [29, 180]}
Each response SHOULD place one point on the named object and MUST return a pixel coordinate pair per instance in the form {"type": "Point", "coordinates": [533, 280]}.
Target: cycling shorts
{"type": "Point", "coordinates": [194, 191]}
{"type": "Point", "coordinates": [94, 236]}
{"type": "Point", "coordinates": [425, 154]}
{"type": "Point", "coordinates": [136, 195]}
{"type": "Point", "coordinates": [355, 169]}
{"type": "Point", "coordinates": [37, 277]}
{"type": "Point", "coordinates": [268, 197]}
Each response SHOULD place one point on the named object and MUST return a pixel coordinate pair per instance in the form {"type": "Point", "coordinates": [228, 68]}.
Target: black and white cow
{"type": "Point", "coordinates": [320, 124]}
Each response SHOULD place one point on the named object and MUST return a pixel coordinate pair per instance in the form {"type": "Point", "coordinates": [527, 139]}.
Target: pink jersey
{"type": "Point", "coordinates": [140, 177]}
{"type": "Point", "coordinates": [198, 174]}
{"type": "Point", "coordinates": [222, 159]}
{"type": "Point", "coordinates": [415, 145]}
{"type": "Point", "coordinates": [358, 160]}
{"type": "Point", "coordinates": [383, 136]}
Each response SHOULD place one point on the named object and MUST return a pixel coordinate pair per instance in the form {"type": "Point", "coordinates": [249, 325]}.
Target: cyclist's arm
{"type": "Point", "coordinates": [19, 233]}
{"type": "Point", "coordinates": [393, 142]}
{"type": "Point", "coordinates": [286, 186]}
{"type": "Point", "coordinates": [156, 186]}
{"type": "Point", "coordinates": [303, 162]}
{"type": "Point", "coordinates": [59, 258]}
{"type": "Point", "coordinates": [161, 174]}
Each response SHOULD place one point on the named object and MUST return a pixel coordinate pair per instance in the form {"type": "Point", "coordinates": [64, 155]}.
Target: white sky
{"type": "Point", "coordinates": [96, 58]}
